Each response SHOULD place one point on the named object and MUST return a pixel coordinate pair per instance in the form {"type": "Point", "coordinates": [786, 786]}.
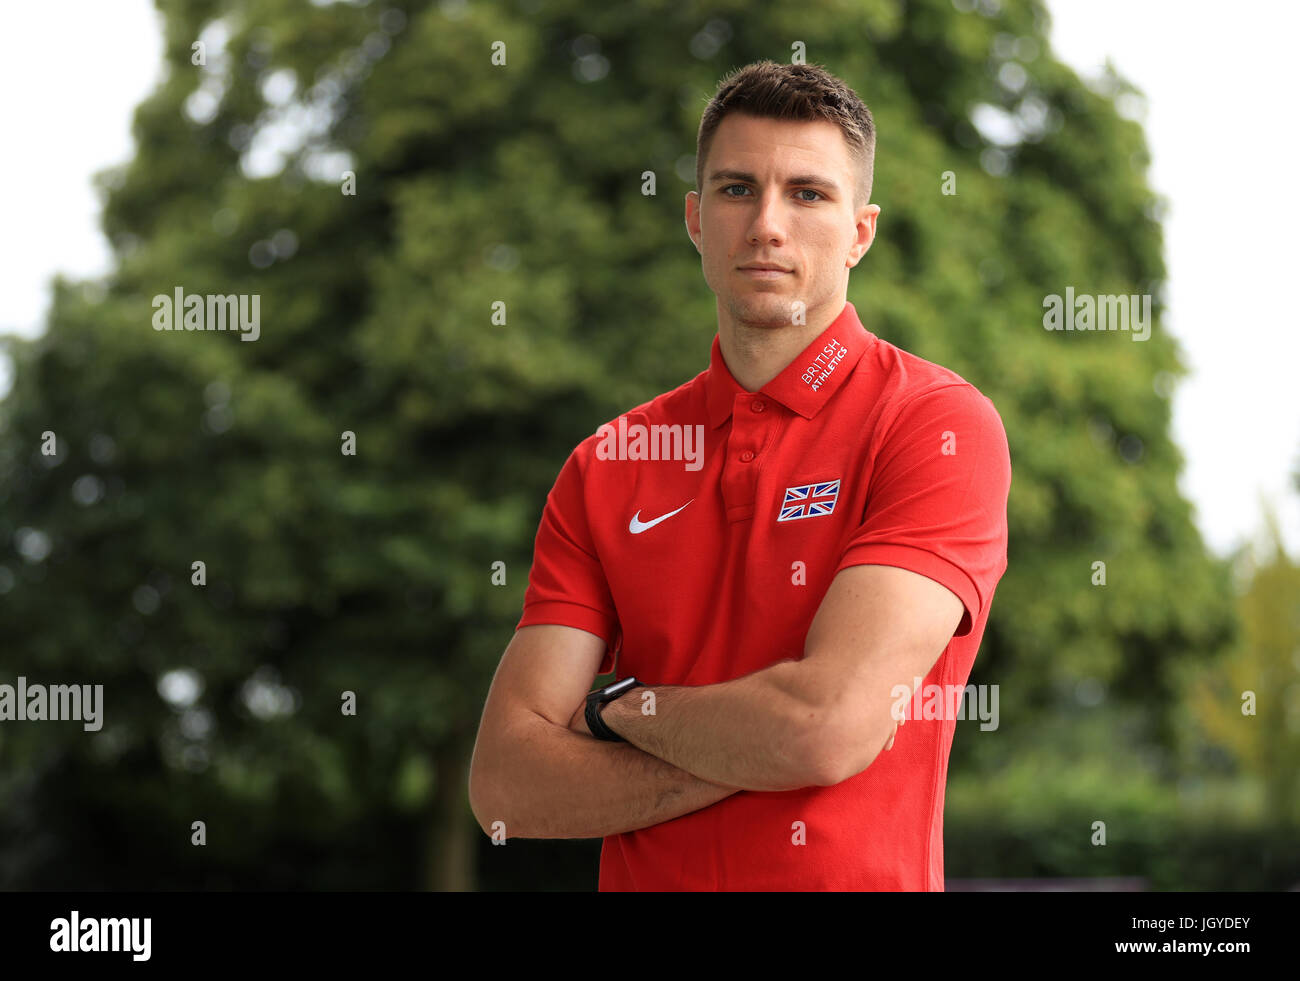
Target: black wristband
{"type": "Point", "coordinates": [597, 700]}
{"type": "Point", "coordinates": [596, 724]}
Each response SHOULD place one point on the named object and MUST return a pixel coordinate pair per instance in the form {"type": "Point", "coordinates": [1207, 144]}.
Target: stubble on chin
{"type": "Point", "coordinates": [762, 313]}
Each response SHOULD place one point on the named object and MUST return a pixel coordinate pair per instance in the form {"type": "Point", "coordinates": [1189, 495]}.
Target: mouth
{"type": "Point", "coordinates": [764, 272]}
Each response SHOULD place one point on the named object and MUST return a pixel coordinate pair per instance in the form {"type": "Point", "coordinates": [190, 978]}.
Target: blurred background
{"type": "Point", "coordinates": [372, 174]}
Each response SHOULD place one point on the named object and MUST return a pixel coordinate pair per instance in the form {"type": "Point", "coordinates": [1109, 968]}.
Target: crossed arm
{"type": "Point", "coordinates": [795, 724]}
{"type": "Point", "coordinates": [817, 721]}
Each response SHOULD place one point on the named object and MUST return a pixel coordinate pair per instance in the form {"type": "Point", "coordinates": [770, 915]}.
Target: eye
{"type": "Point", "coordinates": [806, 190]}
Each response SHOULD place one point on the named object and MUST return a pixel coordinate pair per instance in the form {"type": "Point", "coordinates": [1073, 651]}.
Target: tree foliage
{"type": "Point", "coordinates": [477, 184]}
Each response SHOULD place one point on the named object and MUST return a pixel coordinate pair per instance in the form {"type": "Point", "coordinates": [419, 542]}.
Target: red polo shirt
{"type": "Point", "coordinates": [704, 568]}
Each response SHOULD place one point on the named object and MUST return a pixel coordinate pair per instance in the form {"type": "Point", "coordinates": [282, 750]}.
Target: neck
{"type": "Point", "coordinates": [757, 353]}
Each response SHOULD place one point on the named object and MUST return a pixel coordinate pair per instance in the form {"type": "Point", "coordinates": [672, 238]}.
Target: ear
{"type": "Point", "coordinates": [865, 224]}
{"type": "Point", "coordinates": [693, 219]}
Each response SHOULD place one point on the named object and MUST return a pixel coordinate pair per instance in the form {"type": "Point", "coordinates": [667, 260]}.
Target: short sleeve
{"type": "Point", "coordinates": [567, 585]}
{"type": "Point", "coordinates": [937, 499]}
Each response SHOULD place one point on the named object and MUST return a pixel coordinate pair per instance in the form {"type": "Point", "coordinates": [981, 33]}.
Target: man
{"type": "Point", "coordinates": [778, 595]}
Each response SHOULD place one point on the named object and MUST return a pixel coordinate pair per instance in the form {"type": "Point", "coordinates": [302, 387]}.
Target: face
{"type": "Point", "coordinates": [778, 192]}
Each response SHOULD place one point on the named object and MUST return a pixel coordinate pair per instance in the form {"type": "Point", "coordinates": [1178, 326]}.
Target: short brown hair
{"type": "Point", "coordinates": [772, 90]}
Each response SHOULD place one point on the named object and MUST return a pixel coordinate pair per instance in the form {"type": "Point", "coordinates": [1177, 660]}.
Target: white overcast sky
{"type": "Point", "coordinates": [1219, 123]}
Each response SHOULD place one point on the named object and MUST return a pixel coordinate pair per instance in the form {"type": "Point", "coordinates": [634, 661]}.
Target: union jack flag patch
{"type": "Point", "coordinates": [809, 501]}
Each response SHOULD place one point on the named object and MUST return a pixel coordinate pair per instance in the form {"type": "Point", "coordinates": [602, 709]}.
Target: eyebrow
{"type": "Point", "coordinates": [799, 180]}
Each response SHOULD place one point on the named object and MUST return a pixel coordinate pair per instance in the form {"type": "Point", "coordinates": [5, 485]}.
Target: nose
{"type": "Point", "coordinates": [768, 224]}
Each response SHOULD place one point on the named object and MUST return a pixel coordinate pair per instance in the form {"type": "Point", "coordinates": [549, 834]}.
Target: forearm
{"type": "Point", "coordinates": [552, 782]}
{"type": "Point", "coordinates": [752, 732]}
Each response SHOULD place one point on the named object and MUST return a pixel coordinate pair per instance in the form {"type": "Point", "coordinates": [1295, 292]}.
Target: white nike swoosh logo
{"type": "Point", "coordinates": [636, 525]}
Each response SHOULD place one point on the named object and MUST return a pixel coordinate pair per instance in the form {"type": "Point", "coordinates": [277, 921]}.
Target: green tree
{"type": "Point", "coordinates": [488, 184]}
{"type": "Point", "coordinates": [1248, 700]}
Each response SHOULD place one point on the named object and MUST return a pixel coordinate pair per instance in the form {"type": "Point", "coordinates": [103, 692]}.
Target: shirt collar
{"type": "Point", "coordinates": [806, 383]}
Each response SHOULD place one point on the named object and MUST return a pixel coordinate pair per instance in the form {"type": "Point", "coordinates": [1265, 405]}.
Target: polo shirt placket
{"type": "Point", "coordinates": [753, 429]}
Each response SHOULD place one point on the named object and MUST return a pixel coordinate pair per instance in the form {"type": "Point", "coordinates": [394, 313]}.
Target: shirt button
{"type": "Point", "coordinates": [746, 456]}
{"type": "Point", "coordinates": [758, 405]}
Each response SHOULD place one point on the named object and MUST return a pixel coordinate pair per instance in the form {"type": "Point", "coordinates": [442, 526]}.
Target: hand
{"type": "Point", "coordinates": [579, 721]}
{"type": "Point", "coordinates": [890, 744]}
